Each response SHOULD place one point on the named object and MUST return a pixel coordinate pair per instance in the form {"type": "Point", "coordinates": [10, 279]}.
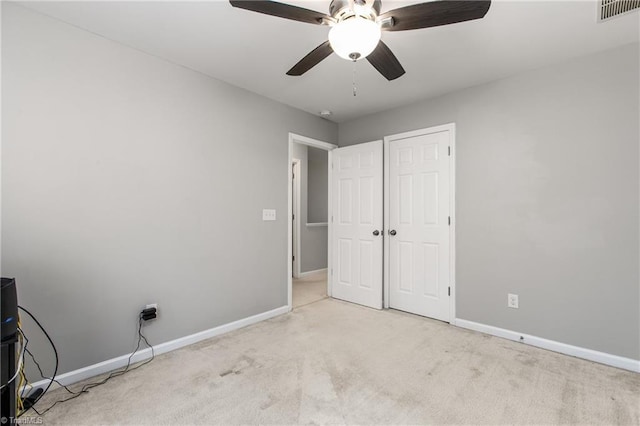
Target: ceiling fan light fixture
{"type": "Point", "coordinates": [354, 38]}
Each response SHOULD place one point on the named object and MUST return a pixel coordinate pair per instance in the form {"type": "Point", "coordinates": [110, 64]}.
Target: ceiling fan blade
{"type": "Point", "coordinates": [282, 10]}
{"type": "Point", "coordinates": [312, 59]}
{"type": "Point", "coordinates": [383, 59]}
{"type": "Point", "coordinates": [435, 13]}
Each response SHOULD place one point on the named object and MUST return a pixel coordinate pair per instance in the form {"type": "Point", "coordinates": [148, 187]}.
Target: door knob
{"type": "Point", "coordinates": [376, 232]}
{"type": "Point", "coordinates": [392, 232]}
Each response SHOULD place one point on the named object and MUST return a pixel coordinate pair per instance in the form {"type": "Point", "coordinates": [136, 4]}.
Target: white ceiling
{"type": "Point", "coordinates": [254, 51]}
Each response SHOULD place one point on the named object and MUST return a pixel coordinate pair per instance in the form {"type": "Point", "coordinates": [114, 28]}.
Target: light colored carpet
{"type": "Point", "coordinates": [332, 362]}
{"type": "Point", "coordinates": [309, 289]}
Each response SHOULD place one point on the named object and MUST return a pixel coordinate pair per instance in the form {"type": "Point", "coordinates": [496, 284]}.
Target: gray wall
{"type": "Point", "coordinates": [313, 240]}
{"type": "Point", "coordinates": [128, 180]}
{"type": "Point", "coordinates": [547, 198]}
{"type": "Point", "coordinates": [318, 186]}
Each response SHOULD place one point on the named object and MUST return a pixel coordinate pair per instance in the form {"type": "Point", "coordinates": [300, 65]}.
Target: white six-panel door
{"type": "Point", "coordinates": [418, 222]}
{"type": "Point", "coordinates": [357, 224]}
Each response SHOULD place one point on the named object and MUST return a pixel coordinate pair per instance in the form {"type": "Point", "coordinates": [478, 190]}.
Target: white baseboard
{"type": "Point", "coordinates": [552, 345]}
{"type": "Point", "coordinates": [304, 274]}
{"type": "Point", "coordinates": [121, 361]}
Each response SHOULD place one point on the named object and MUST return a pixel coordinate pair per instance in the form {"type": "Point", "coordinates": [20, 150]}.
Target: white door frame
{"type": "Point", "coordinates": [294, 138]}
{"type": "Point", "coordinates": [452, 206]}
{"type": "Point", "coordinates": [296, 223]}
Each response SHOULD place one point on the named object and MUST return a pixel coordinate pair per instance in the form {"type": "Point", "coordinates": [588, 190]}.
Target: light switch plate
{"type": "Point", "coordinates": [268, 214]}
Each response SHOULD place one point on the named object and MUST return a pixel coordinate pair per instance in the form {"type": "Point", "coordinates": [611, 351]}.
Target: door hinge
{"type": "Point", "coordinates": [449, 151]}
{"type": "Point", "coordinates": [293, 258]}
{"type": "Point", "coordinates": [449, 291]}
{"type": "Point", "coordinates": [449, 220]}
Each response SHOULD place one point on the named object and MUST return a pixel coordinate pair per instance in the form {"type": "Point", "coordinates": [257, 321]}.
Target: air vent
{"type": "Point", "coordinates": [612, 8]}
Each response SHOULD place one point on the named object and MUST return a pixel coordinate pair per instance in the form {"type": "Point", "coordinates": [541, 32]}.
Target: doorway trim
{"type": "Point", "coordinates": [295, 228]}
{"type": "Point", "coordinates": [303, 140]}
{"type": "Point", "coordinates": [451, 127]}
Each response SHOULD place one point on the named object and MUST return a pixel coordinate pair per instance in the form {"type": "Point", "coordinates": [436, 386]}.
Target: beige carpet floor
{"type": "Point", "coordinates": [332, 362]}
{"type": "Point", "coordinates": [309, 289]}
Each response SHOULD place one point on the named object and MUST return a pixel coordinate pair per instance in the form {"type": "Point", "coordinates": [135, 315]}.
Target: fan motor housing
{"type": "Point", "coordinates": [340, 9]}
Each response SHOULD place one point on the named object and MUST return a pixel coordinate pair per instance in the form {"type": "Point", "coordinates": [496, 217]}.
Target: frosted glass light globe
{"type": "Point", "coordinates": [354, 38]}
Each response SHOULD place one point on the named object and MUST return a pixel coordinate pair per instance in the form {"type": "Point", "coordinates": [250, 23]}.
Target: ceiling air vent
{"type": "Point", "coordinates": [612, 8]}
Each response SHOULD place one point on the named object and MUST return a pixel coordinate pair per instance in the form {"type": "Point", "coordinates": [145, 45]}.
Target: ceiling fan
{"type": "Point", "coordinates": [356, 27]}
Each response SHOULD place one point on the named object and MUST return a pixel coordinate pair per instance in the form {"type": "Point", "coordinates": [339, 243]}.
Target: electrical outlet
{"type": "Point", "coordinates": [512, 301]}
{"type": "Point", "coordinates": [153, 305]}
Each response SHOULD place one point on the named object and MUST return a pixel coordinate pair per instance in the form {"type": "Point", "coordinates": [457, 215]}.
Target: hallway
{"type": "Point", "coordinates": [309, 289]}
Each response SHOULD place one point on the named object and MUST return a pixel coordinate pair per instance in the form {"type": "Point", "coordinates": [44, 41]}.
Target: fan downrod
{"type": "Point", "coordinates": [341, 9]}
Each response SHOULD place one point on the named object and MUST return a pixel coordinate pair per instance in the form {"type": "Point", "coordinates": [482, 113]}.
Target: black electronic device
{"type": "Point", "coordinates": [9, 331]}
{"type": "Point", "coordinates": [9, 310]}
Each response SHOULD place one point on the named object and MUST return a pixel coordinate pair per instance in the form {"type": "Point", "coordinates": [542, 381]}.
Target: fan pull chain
{"type": "Point", "coordinates": [354, 78]}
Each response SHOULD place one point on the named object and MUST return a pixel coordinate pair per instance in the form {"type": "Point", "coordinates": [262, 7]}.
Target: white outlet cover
{"type": "Point", "coordinates": [268, 214]}
{"type": "Point", "coordinates": [512, 300]}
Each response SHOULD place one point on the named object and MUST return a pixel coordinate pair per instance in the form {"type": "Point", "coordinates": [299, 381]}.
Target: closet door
{"type": "Point", "coordinates": [357, 224]}
{"type": "Point", "coordinates": [418, 221]}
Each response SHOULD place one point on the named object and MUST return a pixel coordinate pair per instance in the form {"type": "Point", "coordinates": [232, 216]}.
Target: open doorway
{"type": "Point", "coordinates": [309, 229]}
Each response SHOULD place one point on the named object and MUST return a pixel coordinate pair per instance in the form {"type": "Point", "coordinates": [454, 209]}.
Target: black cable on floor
{"type": "Point", "coordinates": [55, 351]}
{"type": "Point", "coordinates": [88, 386]}
{"type": "Point", "coordinates": [42, 374]}
{"type": "Point", "coordinates": [113, 374]}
